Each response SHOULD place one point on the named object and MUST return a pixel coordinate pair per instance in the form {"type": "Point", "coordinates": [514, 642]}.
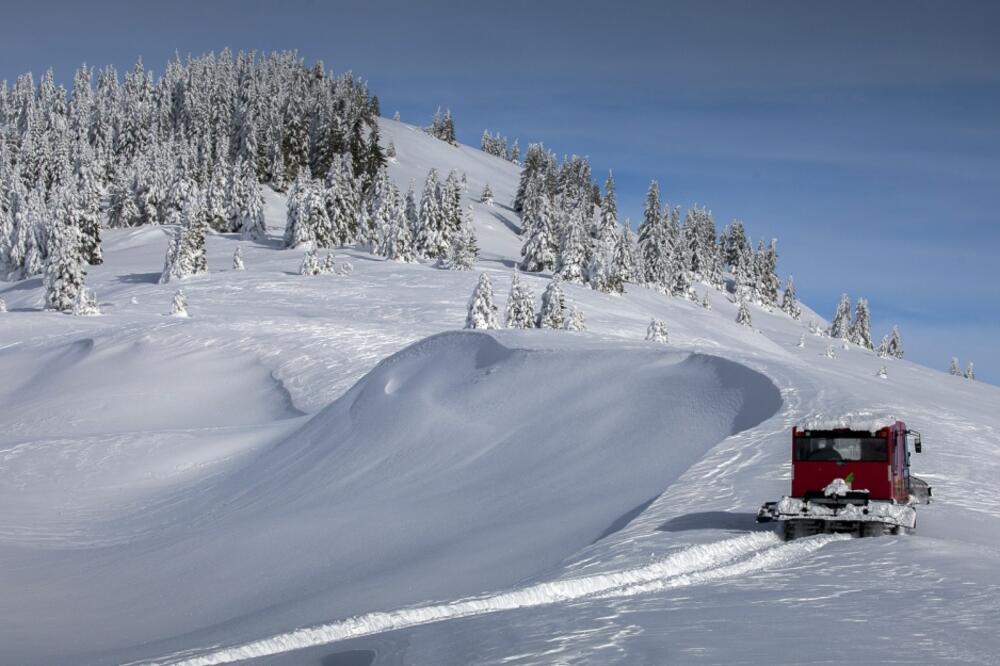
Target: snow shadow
{"type": "Point", "coordinates": [503, 219]}
{"type": "Point", "coordinates": [714, 520]}
{"type": "Point", "coordinates": [349, 658]}
{"type": "Point", "coordinates": [622, 521]}
{"type": "Point", "coordinates": [140, 278]}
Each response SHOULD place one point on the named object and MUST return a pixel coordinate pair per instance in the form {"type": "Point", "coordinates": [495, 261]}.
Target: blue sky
{"type": "Point", "coordinates": [864, 136]}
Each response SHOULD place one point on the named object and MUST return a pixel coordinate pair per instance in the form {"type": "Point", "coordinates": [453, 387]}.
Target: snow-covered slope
{"type": "Point", "coordinates": [300, 452]}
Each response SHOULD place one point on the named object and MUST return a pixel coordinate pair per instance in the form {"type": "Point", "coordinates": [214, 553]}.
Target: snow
{"type": "Point", "coordinates": [310, 468]}
{"type": "Point", "coordinates": [862, 421]}
{"type": "Point", "coordinates": [837, 487]}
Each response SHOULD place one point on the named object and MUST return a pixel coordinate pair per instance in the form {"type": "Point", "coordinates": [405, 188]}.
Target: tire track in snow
{"type": "Point", "coordinates": [696, 564]}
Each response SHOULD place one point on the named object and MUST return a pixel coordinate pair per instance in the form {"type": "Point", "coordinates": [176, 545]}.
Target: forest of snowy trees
{"type": "Point", "coordinates": [187, 149]}
{"type": "Point", "coordinates": [191, 148]}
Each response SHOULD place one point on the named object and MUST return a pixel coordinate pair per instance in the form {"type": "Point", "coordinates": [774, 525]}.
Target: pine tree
{"type": "Point", "coordinates": [955, 368]}
{"type": "Point", "coordinates": [575, 321]}
{"type": "Point", "coordinates": [178, 307]}
{"type": "Point", "coordinates": [895, 343]}
{"type": "Point", "coordinates": [883, 347]}
{"type": "Point", "coordinates": [706, 303]}
{"type": "Point", "coordinates": [572, 262]}
{"type": "Point", "coordinates": [64, 269]}
{"type": "Point", "coordinates": [520, 311]}
{"type": "Point", "coordinates": [487, 195]}
{"type": "Point", "coordinates": [552, 312]}
{"type": "Point", "coordinates": [482, 312]}
{"type": "Point", "coordinates": [743, 315]}
{"type": "Point", "coordinates": [657, 331]}
{"type": "Point", "coordinates": [789, 303]}
{"type": "Point", "coordinates": [87, 215]}
{"type": "Point", "coordinates": [464, 250]}
{"type": "Point", "coordinates": [310, 264]}
{"type": "Point", "coordinates": [3, 306]}
{"type": "Point", "coordinates": [882, 373]}
{"type": "Point", "coordinates": [186, 253]}
{"type": "Point", "coordinates": [344, 206]}
{"type": "Point", "coordinates": [395, 241]}
{"type": "Point", "coordinates": [86, 304]}
{"type": "Point", "coordinates": [860, 331]}
{"type": "Point", "coordinates": [238, 259]}
{"type": "Point", "coordinates": [841, 326]}
{"type": "Point", "coordinates": [970, 372]}
{"type": "Point", "coordinates": [246, 203]}
{"type": "Point", "coordinates": [431, 240]}
{"type": "Point", "coordinates": [390, 151]}
{"type": "Point", "coordinates": [329, 266]}
{"type": "Point", "coordinates": [622, 268]}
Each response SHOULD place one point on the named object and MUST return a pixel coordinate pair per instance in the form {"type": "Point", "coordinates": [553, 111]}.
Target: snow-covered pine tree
{"type": "Point", "coordinates": [328, 266]}
{"type": "Point", "coordinates": [343, 202]}
{"type": "Point", "coordinates": [3, 306]}
{"type": "Point", "coordinates": [487, 195]}
{"type": "Point", "coordinates": [86, 304]}
{"type": "Point", "coordinates": [571, 264]}
{"type": "Point", "coordinates": [883, 347]}
{"type": "Point", "coordinates": [395, 241]}
{"type": "Point", "coordinates": [520, 312]}
{"type": "Point", "coordinates": [955, 368]}
{"type": "Point", "coordinates": [552, 312]}
{"type": "Point", "coordinates": [64, 268]}
{"type": "Point", "coordinates": [536, 253]}
{"type": "Point", "coordinates": [246, 203]}
{"type": "Point", "coordinates": [623, 261]}
{"type": "Point", "coordinates": [802, 340]}
{"type": "Point", "coordinates": [895, 343]}
{"type": "Point", "coordinates": [789, 303]}
{"type": "Point", "coordinates": [431, 240]}
{"type": "Point", "coordinates": [841, 326]}
{"type": "Point", "coordinates": [178, 307]}
{"type": "Point", "coordinates": [310, 264]}
{"type": "Point", "coordinates": [860, 332]}
{"type": "Point", "coordinates": [390, 151]}
{"type": "Point", "coordinates": [575, 321]}
{"type": "Point", "coordinates": [706, 303]}
{"type": "Point", "coordinates": [482, 312]}
{"type": "Point", "coordinates": [238, 259]}
{"type": "Point", "coordinates": [743, 315]}
{"type": "Point", "coordinates": [681, 286]}
{"type": "Point", "coordinates": [970, 372]}
{"type": "Point", "coordinates": [882, 373]}
{"type": "Point", "coordinates": [464, 250]}
{"type": "Point", "coordinates": [767, 277]}
{"type": "Point", "coordinates": [88, 216]}
{"type": "Point", "coordinates": [657, 331]}
{"type": "Point", "coordinates": [186, 253]}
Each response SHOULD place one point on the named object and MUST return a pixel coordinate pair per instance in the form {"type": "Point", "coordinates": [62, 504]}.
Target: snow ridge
{"type": "Point", "coordinates": [701, 563]}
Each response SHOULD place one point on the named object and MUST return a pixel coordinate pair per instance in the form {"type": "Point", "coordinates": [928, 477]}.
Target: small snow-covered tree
{"type": "Point", "coordinates": [390, 151]}
{"type": "Point", "coordinates": [482, 311]}
{"type": "Point", "coordinates": [310, 264]}
{"type": "Point", "coordinates": [657, 331]}
{"type": "Point", "coordinates": [520, 312]}
{"type": "Point", "coordinates": [552, 312]}
{"type": "Point", "coordinates": [882, 373]}
{"type": "Point", "coordinates": [955, 368]}
{"type": "Point", "coordinates": [396, 241]}
{"type": "Point", "coordinates": [246, 203]}
{"type": "Point", "coordinates": [789, 303]}
{"type": "Point", "coordinates": [802, 340]}
{"type": "Point", "coordinates": [575, 320]}
{"type": "Point", "coordinates": [841, 326]}
{"type": "Point", "coordinates": [860, 332]}
{"type": "Point", "coordinates": [743, 315]}
{"type": "Point", "coordinates": [86, 304]}
{"type": "Point", "coordinates": [238, 259]}
{"type": "Point", "coordinates": [186, 253]}
{"type": "Point", "coordinates": [830, 352]}
{"type": "Point", "coordinates": [895, 346]}
{"type": "Point", "coordinates": [970, 372]}
{"type": "Point", "coordinates": [706, 303]}
{"type": "Point", "coordinates": [883, 347]}
{"type": "Point", "coordinates": [487, 196]}
{"type": "Point", "coordinates": [328, 266]}
{"type": "Point", "coordinates": [3, 306]}
{"type": "Point", "coordinates": [178, 307]}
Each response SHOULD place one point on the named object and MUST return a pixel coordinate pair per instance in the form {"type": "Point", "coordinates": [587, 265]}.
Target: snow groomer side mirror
{"type": "Point", "coordinates": [915, 438]}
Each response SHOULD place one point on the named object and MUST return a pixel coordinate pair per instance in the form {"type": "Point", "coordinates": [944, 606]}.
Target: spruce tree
{"type": "Point", "coordinates": [487, 195]}
{"type": "Point", "coordinates": [657, 331]}
{"type": "Point", "coordinates": [575, 321]}
{"type": "Point", "coordinates": [520, 312]}
{"type": "Point", "coordinates": [572, 261]}
{"type": "Point", "coordinates": [310, 264]}
{"type": "Point", "coordinates": [895, 343]}
{"type": "Point", "coordinates": [64, 269]}
{"type": "Point", "coordinates": [743, 315]}
{"type": "Point", "coordinates": [955, 369]}
{"type": "Point", "coordinates": [178, 307]}
{"type": "Point", "coordinates": [86, 304]}
{"type": "Point", "coordinates": [431, 240]}
{"type": "Point", "coordinates": [464, 250]}
{"type": "Point", "coordinates": [860, 331]}
{"type": "Point", "coordinates": [789, 303]}
{"type": "Point", "coordinates": [482, 312]}
{"type": "Point", "coordinates": [238, 259]}
{"type": "Point", "coordinates": [552, 312]}
{"type": "Point", "coordinates": [970, 372]}
{"type": "Point", "coordinates": [841, 326]}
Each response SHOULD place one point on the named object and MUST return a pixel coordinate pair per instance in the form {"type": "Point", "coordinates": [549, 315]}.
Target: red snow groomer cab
{"type": "Point", "coordinates": [851, 481]}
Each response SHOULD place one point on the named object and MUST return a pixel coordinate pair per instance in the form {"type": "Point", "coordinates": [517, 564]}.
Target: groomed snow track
{"type": "Point", "coordinates": [703, 563]}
